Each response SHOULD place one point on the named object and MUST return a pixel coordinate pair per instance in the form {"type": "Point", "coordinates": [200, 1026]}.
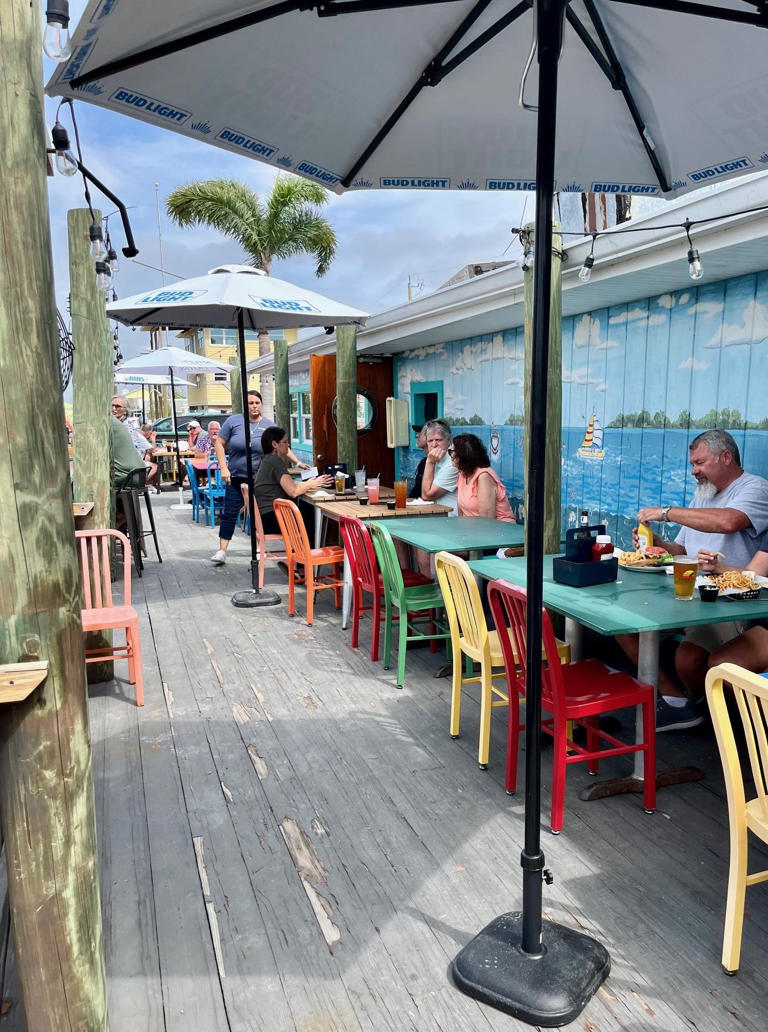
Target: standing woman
{"type": "Point", "coordinates": [234, 468]}
{"type": "Point", "coordinates": [481, 493]}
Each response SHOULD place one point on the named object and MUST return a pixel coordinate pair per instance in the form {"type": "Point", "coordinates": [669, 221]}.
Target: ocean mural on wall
{"type": "Point", "coordinates": [648, 375]}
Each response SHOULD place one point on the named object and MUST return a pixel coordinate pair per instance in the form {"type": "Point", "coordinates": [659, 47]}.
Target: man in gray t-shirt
{"type": "Point", "coordinates": [728, 514]}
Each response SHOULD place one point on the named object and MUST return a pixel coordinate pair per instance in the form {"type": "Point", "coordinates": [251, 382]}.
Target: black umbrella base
{"type": "Point", "coordinates": [255, 599]}
{"type": "Point", "coordinates": [549, 990]}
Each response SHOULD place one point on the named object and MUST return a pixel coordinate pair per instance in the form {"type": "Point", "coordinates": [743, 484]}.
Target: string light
{"type": "Point", "coordinates": [56, 41]}
{"type": "Point", "coordinates": [695, 270]}
{"type": "Point", "coordinates": [104, 255]}
{"type": "Point", "coordinates": [585, 273]}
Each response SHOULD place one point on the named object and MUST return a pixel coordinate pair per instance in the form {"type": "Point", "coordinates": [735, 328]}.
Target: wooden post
{"type": "Point", "coordinates": [46, 793]}
{"type": "Point", "coordinates": [234, 385]}
{"type": "Point", "coordinates": [346, 396]}
{"type": "Point", "coordinates": [552, 458]}
{"type": "Point", "coordinates": [91, 392]}
{"type": "Point", "coordinates": [282, 391]}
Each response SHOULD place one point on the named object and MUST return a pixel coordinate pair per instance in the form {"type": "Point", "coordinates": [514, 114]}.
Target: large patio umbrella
{"type": "Point", "coordinates": [243, 297]}
{"type": "Point", "coordinates": [660, 96]}
{"type": "Point", "coordinates": [148, 380]}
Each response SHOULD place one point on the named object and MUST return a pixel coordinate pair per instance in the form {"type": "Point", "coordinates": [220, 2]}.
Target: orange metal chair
{"type": "Point", "coordinates": [751, 695]}
{"type": "Point", "coordinates": [366, 578]}
{"type": "Point", "coordinates": [298, 552]}
{"type": "Point", "coordinates": [577, 691]}
{"type": "Point", "coordinates": [99, 611]}
{"type": "Point", "coordinates": [262, 539]}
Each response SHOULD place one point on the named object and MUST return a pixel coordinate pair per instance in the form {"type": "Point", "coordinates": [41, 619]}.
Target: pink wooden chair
{"type": "Point", "coordinates": [99, 611]}
{"type": "Point", "coordinates": [262, 539]}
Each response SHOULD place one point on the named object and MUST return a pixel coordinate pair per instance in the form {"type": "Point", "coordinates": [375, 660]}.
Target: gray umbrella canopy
{"type": "Point", "coordinates": [655, 97]}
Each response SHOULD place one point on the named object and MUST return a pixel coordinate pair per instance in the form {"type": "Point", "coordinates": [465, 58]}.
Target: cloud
{"type": "Point", "coordinates": [706, 308]}
{"type": "Point", "coordinates": [586, 334]}
{"type": "Point", "coordinates": [666, 301]}
{"type": "Point", "coordinates": [601, 388]}
{"type": "Point", "coordinates": [753, 328]}
{"type": "Point", "coordinates": [629, 316]}
{"type": "Point", "coordinates": [465, 360]}
{"type": "Point", "coordinates": [580, 377]}
{"type": "Point", "coordinates": [694, 363]}
{"type": "Point", "coordinates": [429, 349]}
{"type": "Point", "coordinates": [684, 298]}
{"type": "Point", "coordinates": [513, 381]}
{"type": "Point", "coordinates": [657, 319]}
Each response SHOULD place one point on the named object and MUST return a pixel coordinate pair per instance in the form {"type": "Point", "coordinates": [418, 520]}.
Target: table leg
{"type": "Point", "coordinates": [318, 528]}
{"type": "Point", "coordinates": [648, 671]}
{"type": "Point", "coordinates": [574, 636]}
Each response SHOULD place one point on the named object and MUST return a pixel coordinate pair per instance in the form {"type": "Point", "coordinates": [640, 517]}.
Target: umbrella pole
{"type": "Point", "coordinates": [254, 597]}
{"type": "Point", "coordinates": [143, 406]}
{"type": "Point", "coordinates": [543, 975]}
{"type": "Point", "coordinates": [175, 430]}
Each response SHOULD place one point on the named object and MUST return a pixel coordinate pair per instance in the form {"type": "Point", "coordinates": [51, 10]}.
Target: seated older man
{"type": "Point", "coordinates": [205, 443]}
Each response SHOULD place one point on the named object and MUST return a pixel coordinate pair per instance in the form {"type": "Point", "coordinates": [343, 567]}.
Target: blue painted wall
{"type": "Point", "coordinates": [654, 372]}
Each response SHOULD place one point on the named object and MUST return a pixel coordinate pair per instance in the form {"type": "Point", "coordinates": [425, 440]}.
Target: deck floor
{"type": "Point", "coordinates": [290, 844]}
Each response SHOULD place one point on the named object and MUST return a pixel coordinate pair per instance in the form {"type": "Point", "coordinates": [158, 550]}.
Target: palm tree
{"type": "Point", "coordinates": [285, 223]}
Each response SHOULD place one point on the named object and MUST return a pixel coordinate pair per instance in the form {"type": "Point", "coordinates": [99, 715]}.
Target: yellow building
{"type": "Point", "coordinates": [212, 392]}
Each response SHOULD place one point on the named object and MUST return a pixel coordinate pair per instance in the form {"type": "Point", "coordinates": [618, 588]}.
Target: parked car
{"type": "Point", "coordinates": [164, 426]}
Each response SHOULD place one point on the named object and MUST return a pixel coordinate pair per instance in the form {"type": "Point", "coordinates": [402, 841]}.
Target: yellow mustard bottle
{"type": "Point", "coordinates": [645, 536]}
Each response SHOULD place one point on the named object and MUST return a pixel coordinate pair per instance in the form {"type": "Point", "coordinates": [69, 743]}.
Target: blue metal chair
{"type": "Point", "coordinates": [192, 478]}
{"type": "Point", "coordinates": [212, 494]}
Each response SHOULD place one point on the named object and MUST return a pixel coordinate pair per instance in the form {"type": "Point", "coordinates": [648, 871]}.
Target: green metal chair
{"type": "Point", "coordinates": [410, 601]}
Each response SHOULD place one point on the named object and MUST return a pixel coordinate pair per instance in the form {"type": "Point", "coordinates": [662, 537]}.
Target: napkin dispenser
{"type": "Point", "coordinates": [576, 567]}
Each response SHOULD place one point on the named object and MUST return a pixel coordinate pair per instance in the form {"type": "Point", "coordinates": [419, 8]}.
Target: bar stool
{"type": "Point", "coordinates": [130, 492]}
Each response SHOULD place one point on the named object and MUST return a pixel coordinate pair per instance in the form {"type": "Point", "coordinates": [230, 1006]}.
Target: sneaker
{"type": "Point", "coordinates": [219, 558]}
{"type": "Point", "coordinates": [677, 718]}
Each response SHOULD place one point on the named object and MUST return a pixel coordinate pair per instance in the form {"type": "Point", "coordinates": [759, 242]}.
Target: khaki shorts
{"type": "Point", "coordinates": [712, 636]}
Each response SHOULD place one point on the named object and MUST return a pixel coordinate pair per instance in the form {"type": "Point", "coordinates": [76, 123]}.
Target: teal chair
{"type": "Point", "coordinates": [196, 501]}
{"type": "Point", "coordinates": [409, 601]}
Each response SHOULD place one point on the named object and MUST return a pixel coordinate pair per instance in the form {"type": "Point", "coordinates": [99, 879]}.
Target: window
{"type": "Point", "coordinates": [306, 417]}
{"type": "Point", "coordinates": [295, 417]}
{"type": "Point", "coordinates": [301, 416]}
{"type": "Point", "coordinates": [426, 404]}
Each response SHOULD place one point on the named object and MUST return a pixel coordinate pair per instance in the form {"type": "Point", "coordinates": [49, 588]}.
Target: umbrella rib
{"type": "Point", "coordinates": [434, 73]}
{"type": "Point", "coordinates": [621, 85]}
{"type": "Point", "coordinates": [759, 19]}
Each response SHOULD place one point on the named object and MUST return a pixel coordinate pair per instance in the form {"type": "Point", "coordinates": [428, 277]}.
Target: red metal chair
{"type": "Point", "coordinates": [366, 577]}
{"type": "Point", "coordinates": [99, 611]}
{"type": "Point", "coordinates": [298, 552]}
{"type": "Point", "coordinates": [262, 539]}
{"type": "Point", "coordinates": [578, 691]}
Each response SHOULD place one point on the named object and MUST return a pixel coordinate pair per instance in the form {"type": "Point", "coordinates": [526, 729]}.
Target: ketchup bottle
{"type": "Point", "coordinates": [602, 548]}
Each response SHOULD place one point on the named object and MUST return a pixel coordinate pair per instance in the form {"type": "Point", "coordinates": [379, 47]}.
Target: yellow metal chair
{"type": "Point", "coordinates": [751, 695]}
{"type": "Point", "coordinates": [471, 637]}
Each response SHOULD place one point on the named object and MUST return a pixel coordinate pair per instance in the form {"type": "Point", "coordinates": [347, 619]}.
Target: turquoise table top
{"type": "Point", "coordinates": [456, 534]}
{"type": "Point", "coordinates": [635, 602]}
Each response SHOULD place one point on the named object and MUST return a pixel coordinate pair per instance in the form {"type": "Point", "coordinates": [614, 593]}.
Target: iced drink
{"type": "Point", "coordinates": [401, 493]}
{"type": "Point", "coordinates": [686, 568]}
{"type": "Point", "coordinates": [373, 491]}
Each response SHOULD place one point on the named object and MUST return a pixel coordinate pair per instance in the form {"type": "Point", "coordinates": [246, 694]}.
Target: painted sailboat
{"type": "Point", "coordinates": [592, 445]}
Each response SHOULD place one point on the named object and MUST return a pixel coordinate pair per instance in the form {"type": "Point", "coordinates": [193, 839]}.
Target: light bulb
{"type": "Point", "coordinates": [97, 248]}
{"type": "Point", "coordinates": [695, 271]}
{"type": "Point", "coordinates": [585, 273]}
{"type": "Point", "coordinates": [103, 276]}
{"type": "Point", "coordinates": [112, 259]}
{"type": "Point", "coordinates": [56, 41]}
{"type": "Point", "coordinates": [65, 160]}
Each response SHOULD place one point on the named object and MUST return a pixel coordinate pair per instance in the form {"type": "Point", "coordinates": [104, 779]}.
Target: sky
{"type": "Point", "coordinates": [384, 238]}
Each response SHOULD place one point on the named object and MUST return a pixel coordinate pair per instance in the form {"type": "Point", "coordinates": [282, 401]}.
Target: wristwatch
{"type": "Point", "coordinates": [665, 513]}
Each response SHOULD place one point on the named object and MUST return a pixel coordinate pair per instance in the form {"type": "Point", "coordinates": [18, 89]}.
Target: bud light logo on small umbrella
{"type": "Point", "coordinates": [275, 304]}
{"type": "Point", "coordinates": [169, 297]}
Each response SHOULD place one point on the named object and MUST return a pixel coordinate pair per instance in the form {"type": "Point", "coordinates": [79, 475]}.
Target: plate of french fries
{"type": "Point", "coordinates": [739, 585]}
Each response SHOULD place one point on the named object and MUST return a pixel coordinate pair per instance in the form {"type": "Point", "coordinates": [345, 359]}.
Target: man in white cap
{"type": "Point", "coordinates": [194, 430]}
